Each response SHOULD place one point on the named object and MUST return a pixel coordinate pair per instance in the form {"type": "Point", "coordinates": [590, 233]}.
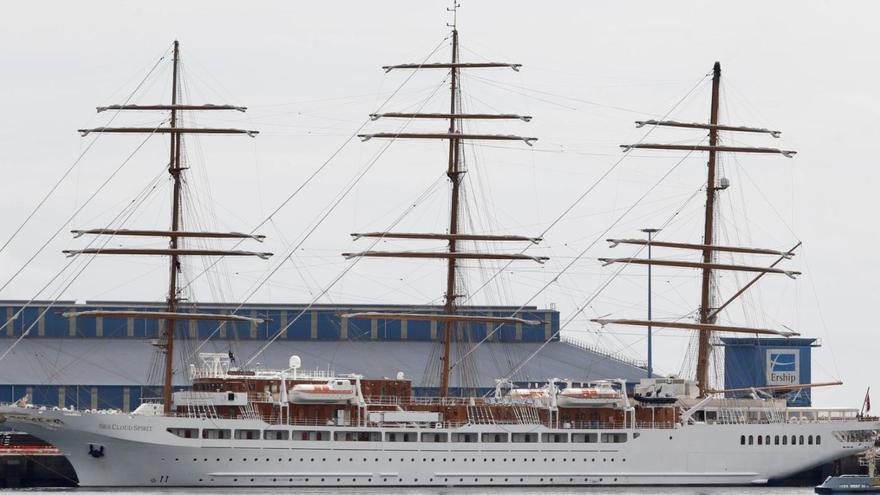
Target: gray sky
{"type": "Point", "coordinates": [310, 73]}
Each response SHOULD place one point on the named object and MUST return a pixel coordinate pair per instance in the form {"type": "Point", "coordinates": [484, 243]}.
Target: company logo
{"type": "Point", "coordinates": [783, 367]}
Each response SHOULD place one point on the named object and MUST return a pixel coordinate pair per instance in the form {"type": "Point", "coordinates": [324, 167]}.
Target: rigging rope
{"type": "Point", "coordinates": [76, 162]}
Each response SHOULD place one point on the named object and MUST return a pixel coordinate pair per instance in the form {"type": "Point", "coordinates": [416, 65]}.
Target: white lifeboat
{"type": "Point", "coordinates": [599, 395]}
{"type": "Point", "coordinates": [333, 392]}
{"type": "Point", "coordinates": [528, 393]}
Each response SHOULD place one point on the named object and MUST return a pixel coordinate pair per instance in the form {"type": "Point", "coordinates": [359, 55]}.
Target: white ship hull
{"type": "Point", "coordinates": [139, 451]}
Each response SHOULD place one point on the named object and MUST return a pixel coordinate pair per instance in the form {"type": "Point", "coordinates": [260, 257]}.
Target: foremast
{"type": "Point", "coordinates": [454, 172]}
{"type": "Point", "coordinates": [708, 313]}
{"type": "Point", "coordinates": [175, 234]}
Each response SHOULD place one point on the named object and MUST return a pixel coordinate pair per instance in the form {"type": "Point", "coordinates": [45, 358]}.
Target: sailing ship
{"type": "Point", "coordinates": [290, 427]}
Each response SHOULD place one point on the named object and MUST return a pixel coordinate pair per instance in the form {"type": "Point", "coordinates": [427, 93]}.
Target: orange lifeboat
{"type": "Point", "coordinates": [599, 395]}
{"type": "Point", "coordinates": [528, 393]}
{"type": "Point", "coordinates": [332, 392]}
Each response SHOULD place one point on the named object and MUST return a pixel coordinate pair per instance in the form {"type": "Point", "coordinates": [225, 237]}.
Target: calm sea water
{"type": "Point", "coordinates": [439, 491]}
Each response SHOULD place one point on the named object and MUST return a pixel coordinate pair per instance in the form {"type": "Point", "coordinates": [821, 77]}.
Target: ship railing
{"type": "Point", "coordinates": [316, 374]}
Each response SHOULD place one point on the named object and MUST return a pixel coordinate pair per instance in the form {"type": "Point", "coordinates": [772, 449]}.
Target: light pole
{"type": "Point", "coordinates": [650, 233]}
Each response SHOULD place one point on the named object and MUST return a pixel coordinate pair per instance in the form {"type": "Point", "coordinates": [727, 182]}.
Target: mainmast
{"type": "Point", "coordinates": [454, 171]}
{"type": "Point", "coordinates": [707, 313]}
{"type": "Point", "coordinates": [704, 339]}
{"type": "Point", "coordinates": [174, 260]}
{"type": "Point", "coordinates": [175, 234]}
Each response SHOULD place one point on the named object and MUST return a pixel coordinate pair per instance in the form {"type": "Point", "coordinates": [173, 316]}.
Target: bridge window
{"type": "Point", "coordinates": [247, 434]}
{"type": "Point", "coordinates": [818, 439]}
{"type": "Point", "coordinates": [554, 437]}
{"type": "Point", "coordinates": [435, 437]}
{"type": "Point", "coordinates": [322, 436]}
{"type": "Point", "coordinates": [793, 440]}
{"type": "Point", "coordinates": [216, 434]}
{"type": "Point", "coordinates": [801, 442]}
{"type": "Point", "coordinates": [751, 440]}
{"type": "Point", "coordinates": [767, 440]}
{"type": "Point", "coordinates": [276, 434]}
{"type": "Point", "coordinates": [464, 437]}
{"type": "Point", "coordinates": [401, 437]}
{"type": "Point", "coordinates": [776, 440]}
{"type": "Point", "coordinates": [584, 437]}
{"type": "Point", "coordinates": [524, 438]}
{"type": "Point", "coordinates": [810, 440]}
{"type": "Point", "coordinates": [784, 440]}
{"type": "Point", "coordinates": [742, 439]}
{"type": "Point", "coordinates": [494, 437]}
{"type": "Point", "coordinates": [760, 440]}
{"type": "Point", "coordinates": [358, 436]}
{"type": "Point", "coordinates": [613, 437]}
{"type": "Point", "coordinates": [184, 432]}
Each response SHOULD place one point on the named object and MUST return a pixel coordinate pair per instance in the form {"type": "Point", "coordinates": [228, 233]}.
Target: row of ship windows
{"type": "Point", "coordinates": [376, 436]}
{"type": "Point", "coordinates": [432, 480]}
{"type": "Point", "coordinates": [780, 440]}
{"type": "Point", "coordinates": [414, 459]}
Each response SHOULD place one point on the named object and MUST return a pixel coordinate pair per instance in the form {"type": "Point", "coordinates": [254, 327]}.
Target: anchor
{"type": "Point", "coordinates": [97, 453]}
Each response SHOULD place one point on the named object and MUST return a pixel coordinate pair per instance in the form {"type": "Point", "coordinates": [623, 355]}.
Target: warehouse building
{"type": "Point", "coordinates": [103, 363]}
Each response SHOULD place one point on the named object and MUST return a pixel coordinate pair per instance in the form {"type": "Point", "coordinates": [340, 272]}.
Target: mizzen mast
{"type": "Point", "coordinates": [708, 313]}
{"type": "Point", "coordinates": [455, 172]}
{"type": "Point", "coordinates": [176, 233]}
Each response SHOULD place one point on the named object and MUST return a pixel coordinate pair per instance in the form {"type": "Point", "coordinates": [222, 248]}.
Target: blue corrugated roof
{"type": "Point", "coordinates": [126, 362]}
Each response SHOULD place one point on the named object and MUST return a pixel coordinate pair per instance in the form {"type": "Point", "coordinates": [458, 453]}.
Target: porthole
{"type": "Point", "coordinates": [384, 480]}
{"type": "Point", "coordinates": [235, 479]}
{"type": "Point", "coordinates": [338, 480]}
{"type": "Point", "coordinates": [322, 480]}
{"type": "Point", "coordinates": [252, 480]}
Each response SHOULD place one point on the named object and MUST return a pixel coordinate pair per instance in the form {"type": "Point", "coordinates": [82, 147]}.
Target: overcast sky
{"type": "Point", "coordinates": [310, 74]}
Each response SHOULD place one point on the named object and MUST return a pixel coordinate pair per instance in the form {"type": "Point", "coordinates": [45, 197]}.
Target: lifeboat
{"type": "Point", "coordinates": [528, 393]}
{"type": "Point", "coordinates": [601, 395]}
{"type": "Point", "coordinates": [332, 392]}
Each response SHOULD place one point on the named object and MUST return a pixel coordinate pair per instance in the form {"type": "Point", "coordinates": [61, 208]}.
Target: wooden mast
{"type": "Point", "coordinates": [174, 260]}
{"type": "Point", "coordinates": [454, 173]}
{"type": "Point", "coordinates": [706, 315]}
{"type": "Point", "coordinates": [174, 252]}
{"type": "Point", "coordinates": [454, 238]}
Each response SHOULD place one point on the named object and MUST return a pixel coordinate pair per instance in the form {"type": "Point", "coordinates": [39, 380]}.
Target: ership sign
{"type": "Point", "coordinates": [783, 367]}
